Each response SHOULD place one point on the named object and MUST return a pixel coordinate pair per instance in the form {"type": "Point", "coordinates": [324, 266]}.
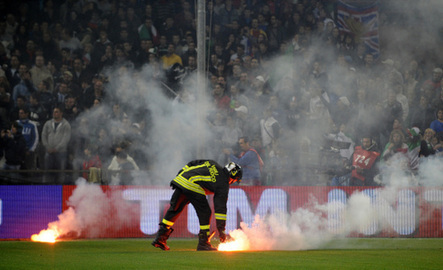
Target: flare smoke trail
{"type": "Point", "coordinates": [92, 211]}
{"type": "Point", "coordinates": [311, 227]}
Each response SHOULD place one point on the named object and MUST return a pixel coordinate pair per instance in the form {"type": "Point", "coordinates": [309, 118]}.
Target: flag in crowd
{"type": "Point", "coordinates": [360, 18]}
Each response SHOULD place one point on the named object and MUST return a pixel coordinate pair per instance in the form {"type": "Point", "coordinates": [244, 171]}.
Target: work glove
{"type": "Point", "coordinates": [222, 236]}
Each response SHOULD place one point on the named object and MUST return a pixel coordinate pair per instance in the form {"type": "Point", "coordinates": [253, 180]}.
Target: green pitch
{"type": "Point", "coordinates": [352, 253]}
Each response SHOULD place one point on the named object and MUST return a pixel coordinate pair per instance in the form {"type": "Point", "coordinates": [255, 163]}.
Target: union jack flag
{"type": "Point", "coordinates": [361, 19]}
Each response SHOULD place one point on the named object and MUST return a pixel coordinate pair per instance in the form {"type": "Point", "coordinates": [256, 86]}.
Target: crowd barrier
{"type": "Point", "coordinates": [135, 211]}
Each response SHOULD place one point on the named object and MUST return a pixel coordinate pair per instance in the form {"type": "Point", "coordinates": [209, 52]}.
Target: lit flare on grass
{"type": "Point", "coordinates": [238, 242]}
{"type": "Point", "coordinates": [46, 236]}
{"type": "Point", "coordinates": [66, 223]}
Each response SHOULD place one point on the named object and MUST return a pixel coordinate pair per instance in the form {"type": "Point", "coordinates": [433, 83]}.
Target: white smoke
{"type": "Point", "coordinates": [431, 172]}
{"type": "Point", "coordinates": [313, 226]}
{"type": "Point", "coordinates": [93, 211]}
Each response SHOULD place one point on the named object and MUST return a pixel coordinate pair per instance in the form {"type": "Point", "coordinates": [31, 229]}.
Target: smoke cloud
{"type": "Point", "coordinates": [314, 226]}
{"type": "Point", "coordinates": [92, 212]}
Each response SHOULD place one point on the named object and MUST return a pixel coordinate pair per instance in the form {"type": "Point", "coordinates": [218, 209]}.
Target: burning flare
{"type": "Point", "coordinates": [47, 236]}
{"type": "Point", "coordinates": [238, 242]}
{"type": "Point", "coordinates": [66, 223]}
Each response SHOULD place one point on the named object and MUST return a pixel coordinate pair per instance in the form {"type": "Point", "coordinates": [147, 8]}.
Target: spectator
{"type": "Point", "coordinates": [78, 72]}
{"type": "Point", "coordinates": [14, 146]}
{"type": "Point", "coordinates": [248, 123]}
{"type": "Point", "coordinates": [228, 13]}
{"type": "Point", "coordinates": [74, 88]}
{"type": "Point", "coordinates": [191, 67]}
{"type": "Point", "coordinates": [169, 28]}
{"type": "Point", "coordinates": [12, 72]}
{"type": "Point", "coordinates": [249, 160]}
{"type": "Point", "coordinates": [275, 34]}
{"type": "Point", "coordinates": [244, 84]}
{"type": "Point", "coordinates": [107, 59]}
{"type": "Point", "coordinates": [40, 72]}
{"type": "Point", "coordinates": [82, 136]}
{"type": "Point", "coordinates": [437, 142]}
{"type": "Point", "coordinates": [437, 124]}
{"type": "Point", "coordinates": [121, 147]}
{"type": "Point", "coordinates": [410, 87]}
{"type": "Point", "coordinates": [434, 83]}
{"type": "Point", "coordinates": [70, 110]}
{"type": "Point", "coordinates": [69, 41]}
{"type": "Point", "coordinates": [395, 150]}
{"type": "Point", "coordinates": [237, 99]}
{"type": "Point", "coordinates": [50, 47]}
{"type": "Point", "coordinates": [90, 161]}
{"type": "Point", "coordinates": [45, 96]}
{"type": "Point", "coordinates": [416, 71]}
{"type": "Point", "coordinates": [341, 140]}
{"type": "Point", "coordinates": [25, 87]}
{"type": "Point", "coordinates": [37, 112]}
{"type": "Point", "coordinates": [28, 55]}
{"type": "Point", "coordinates": [191, 51]}
{"type": "Point", "coordinates": [31, 135]}
{"type": "Point", "coordinates": [231, 134]}
{"type": "Point", "coordinates": [255, 31]}
{"type": "Point", "coordinates": [220, 99]}
{"type": "Point", "coordinates": [270, 129]}
{"type": "Point", "coordinates": [22, 103]}
{"type": "Point", "coordinates": [239, 54]}
{"type": "Point", "coordinates": [103, 141]}
{"type": "Point", "coordinates": [426, 146]}
{"type": "Point", "coordinates": [5, 99]}
{"type": "Point", "coordinates": [122, 161]}
{"type": "Point", "coordinates": [398, 89]}
{"type": "Point", "coordinates": [56, 135]}
{"type": "Point", "coordinates": [364, 163]}
{"type": "Point", "coordinates": [66, 58]}
{"type": "Point", "coordinates": [147, 31]}
{"type": "Point", "coordinates": [170, 58]}
{"type": "Point", "coordinates": [62, 91]}
{"type": "Point", "coordinates": [413, 141]}
{"type": "Point", "coordinates": [132, 18]}
{"type": "Point", "coordinates": [234, 78]}
{"type": "Point", "coordinates": [390, 110]}
{"type": "Point", "coordinates": [438, 101]}
{"type": "Point", "coordinates": [422, 114]}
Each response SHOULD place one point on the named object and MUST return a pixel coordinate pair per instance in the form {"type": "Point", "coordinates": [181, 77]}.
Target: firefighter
{"type": "Point", "coordinates": [191, 185]}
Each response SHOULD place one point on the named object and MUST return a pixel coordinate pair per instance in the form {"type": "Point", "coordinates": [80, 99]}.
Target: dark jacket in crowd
{"type": "Point", "coordinates": [14, 149]}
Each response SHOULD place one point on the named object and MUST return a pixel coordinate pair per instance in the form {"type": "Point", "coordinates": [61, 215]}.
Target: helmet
{"type": "Point", "coordinates": [235, 172]}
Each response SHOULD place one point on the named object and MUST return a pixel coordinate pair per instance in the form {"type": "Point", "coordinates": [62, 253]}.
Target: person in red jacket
{"type": "Point", "coordinates": [91, 160]}
{"type": "Point", "coordinates": [364, 163]}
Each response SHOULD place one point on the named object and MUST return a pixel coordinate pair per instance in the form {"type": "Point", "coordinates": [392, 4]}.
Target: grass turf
{"type": "Point", "coordinates": [353, 253]}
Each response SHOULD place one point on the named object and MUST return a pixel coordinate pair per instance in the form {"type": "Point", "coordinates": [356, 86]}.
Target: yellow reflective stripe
{"type": "Point", "coordinates": [188, 185]}
{"type": "Point", "coordinates": [187, 168]}
{"type": "Point", "coordinates": [200, 178]}
{"type": "Point", "coordinates": [204, 227]}
{"type": "Point", "coordinates": [220, 216]}
{"type": "Point", "coordinates": [167, 222]}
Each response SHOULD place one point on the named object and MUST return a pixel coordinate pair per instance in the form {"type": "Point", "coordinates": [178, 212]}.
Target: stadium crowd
{"type": "Point", "coordinates": [336, 101]}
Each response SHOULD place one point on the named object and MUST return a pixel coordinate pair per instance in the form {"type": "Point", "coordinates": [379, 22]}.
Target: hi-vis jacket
{"type": "Point", "coordinates": [206, 177]}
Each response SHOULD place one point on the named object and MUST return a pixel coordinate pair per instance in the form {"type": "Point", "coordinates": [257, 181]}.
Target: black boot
{"type": "Point", "coordinates": [162, 235]}
{"type": "Point", "coordinates": [203, 241]}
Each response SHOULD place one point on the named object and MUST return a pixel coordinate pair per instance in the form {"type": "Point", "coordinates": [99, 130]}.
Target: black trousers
{"type": "Point", "coordinates": [180, 198]}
